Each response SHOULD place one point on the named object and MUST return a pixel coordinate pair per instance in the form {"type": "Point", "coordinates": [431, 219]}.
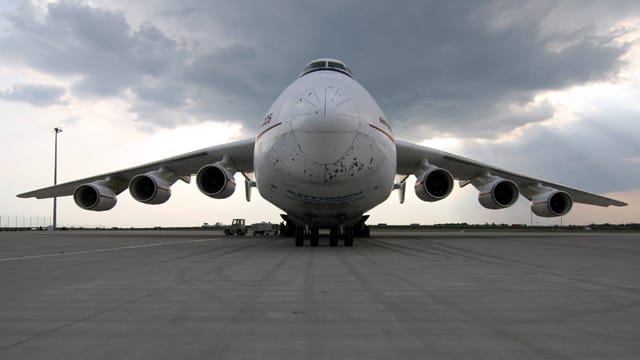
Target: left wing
{"type": "Point", "coordinates": [414, 158]}
{"type": "Point", "coordinates": [235, 156]}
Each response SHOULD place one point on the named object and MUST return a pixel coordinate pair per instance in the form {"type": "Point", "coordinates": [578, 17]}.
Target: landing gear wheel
{"type": "Point", "coordinates": [348, 237]}
{"type": "Point", "coordinates": [314, 236]}
{"type": "Point", "coordinates": [334, 234]}
{"type": "Point", "coordinates": [367, 232]}
{"type": "Point", "coordinates": [299, 236]}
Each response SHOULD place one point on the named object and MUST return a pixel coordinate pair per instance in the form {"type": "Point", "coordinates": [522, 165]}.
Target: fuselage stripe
{"type": "Point", "coordinates": [382, 131]}
{"type": "Point", "coordinates": [267, 129]}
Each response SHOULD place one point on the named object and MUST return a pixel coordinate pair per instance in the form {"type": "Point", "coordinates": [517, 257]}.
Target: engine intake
{"type": "Point", "coordinates": [95, 197]}
{"type": "Point", "coordinates": [551, 204]}
{"type": "Point", "coordinates": [150, 189]}
{"type": "Point", "coordinates": [498, 194]}
{"type": "Point", "coordinates": [434, 184]}
{"type": "Point", "coordinates": [215, 181]}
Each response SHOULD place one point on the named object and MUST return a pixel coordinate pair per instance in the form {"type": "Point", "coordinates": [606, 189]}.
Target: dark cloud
{"type": "Point", "coordinates": [453, 64]}
{"type": "Point", "coordinates": [452, 67]}
{"type": "Point", "coordinates": [479, 118]}
{"type": "Point", "coordinates": [96, 46]}
{"type": "Point", "coordinates": [35, 94]}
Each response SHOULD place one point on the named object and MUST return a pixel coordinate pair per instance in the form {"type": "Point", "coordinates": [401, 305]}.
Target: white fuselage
{"type": "Point", "coordinates": [325, 152]}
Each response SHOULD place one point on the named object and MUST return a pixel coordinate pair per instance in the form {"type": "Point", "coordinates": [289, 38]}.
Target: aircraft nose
{"type": "Point", "coordinates": [325, 123]}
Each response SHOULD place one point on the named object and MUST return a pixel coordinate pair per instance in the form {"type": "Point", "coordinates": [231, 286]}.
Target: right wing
{"type": "Point", "coordinates": [411, 155]}
{"type": "Point", "coordinates": [183, 166]}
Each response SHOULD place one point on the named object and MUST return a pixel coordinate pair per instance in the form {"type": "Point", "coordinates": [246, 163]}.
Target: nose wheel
{"type": "Point", "coordinates": [314, 236]}
{"type": "Point", "coordinates": [334, 235]}
{"type": "Point", "coordinates": [346, 235]}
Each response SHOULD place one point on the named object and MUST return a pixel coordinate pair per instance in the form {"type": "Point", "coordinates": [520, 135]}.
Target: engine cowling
{"type": "Point", "coordinates": [150, 189]}
{"type": "Point", "coordinates": [95, 197]}
{"type": "Point", "coordinates": [551, 204]}
{"type": "Point", "coordinates": [498, 194]}
{"type": "Point", "coordinates": [434, 184]}
{"type": "Point", "coordinates": [215, 181]}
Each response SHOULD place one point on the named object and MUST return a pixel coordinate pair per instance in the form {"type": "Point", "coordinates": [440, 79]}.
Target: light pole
{"type": "Point", "coordinates": [55, 175]}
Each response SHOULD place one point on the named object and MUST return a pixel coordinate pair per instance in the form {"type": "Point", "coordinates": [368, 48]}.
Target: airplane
{"type": "Point", "coordinates": [325, 154]}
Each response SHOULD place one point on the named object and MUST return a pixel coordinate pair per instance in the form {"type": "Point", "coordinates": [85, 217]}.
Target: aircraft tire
{"type": "Point", "coordinates": [367, 232]}
{"type": "Point", "coordinates": [314, 236]}
{"type": "Point", "coordinates": [333, 237]}
{"type": "Point", "coordinates": [299, 236]}
{"type": "Point", "coordinates": [348, 237]}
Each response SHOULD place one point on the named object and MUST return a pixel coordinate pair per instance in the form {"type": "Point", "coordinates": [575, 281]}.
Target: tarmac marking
{"type": "Point", "coordinates": [80, 252]}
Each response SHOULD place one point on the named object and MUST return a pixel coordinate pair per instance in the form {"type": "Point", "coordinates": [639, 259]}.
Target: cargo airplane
{"type": "Point", "coordinates": [325, 154]}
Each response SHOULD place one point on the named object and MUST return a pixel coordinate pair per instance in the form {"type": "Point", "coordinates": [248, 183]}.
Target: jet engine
{"type": "Point", "coordinates": [433, 184]}
{"type": "Point", "coordinates": [498, 194]}
{"type": "Point", "coordinates": [215, 181]}
{"type": "Point", "coordinates": [150, 188]}
{"type": "Point", "coordinates": [95, 197]}
{"type": "Point", "coordinates": [551, 203]}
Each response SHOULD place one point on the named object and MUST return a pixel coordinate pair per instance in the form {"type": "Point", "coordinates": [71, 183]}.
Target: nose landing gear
{"type": "Point", "coordinates": [346, 235]}
{"type": "Point", "coordinates": [313, 234]}
{"type": "Point", "coordinates": [334, 234]}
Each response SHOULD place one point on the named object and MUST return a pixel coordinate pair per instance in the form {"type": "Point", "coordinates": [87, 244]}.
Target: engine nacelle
{"type": "Point", "coordinates": [552, 203]}
{"type": "Point", "coordinates": [434, 184]}
{"type": "Point", "coordinates": [95, 197]}
{"type": "Point", "coordinates": [150, 189]}
{"type": "Point", "coordinates": [498, 194]}
{"type": "Point", "coordinates": [215, 181]}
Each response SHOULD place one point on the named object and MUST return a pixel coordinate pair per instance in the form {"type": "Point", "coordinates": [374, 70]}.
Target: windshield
{"type": "Point", "coordinates": [326, 64]}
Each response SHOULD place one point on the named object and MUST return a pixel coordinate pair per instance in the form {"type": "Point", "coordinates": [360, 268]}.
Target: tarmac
{"type": "Point", "coordinates": [431, 295]}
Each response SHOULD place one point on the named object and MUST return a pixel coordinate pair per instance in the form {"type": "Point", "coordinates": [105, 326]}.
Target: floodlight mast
{"type": "Point", "coordinates": [55, 176]}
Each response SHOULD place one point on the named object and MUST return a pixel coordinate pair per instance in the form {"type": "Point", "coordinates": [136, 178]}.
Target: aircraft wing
{"type": "Point", "coordinates": [410, 157]}
{"type": "Point", "coordinates": [185, 165]}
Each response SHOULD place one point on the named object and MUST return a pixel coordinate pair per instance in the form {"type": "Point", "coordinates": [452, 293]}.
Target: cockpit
{"type": "Point", "coordinates": [326, 64]}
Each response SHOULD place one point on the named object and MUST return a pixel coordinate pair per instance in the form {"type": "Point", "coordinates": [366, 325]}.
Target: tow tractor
{"type": "Point", "coordinates": [237, 227]}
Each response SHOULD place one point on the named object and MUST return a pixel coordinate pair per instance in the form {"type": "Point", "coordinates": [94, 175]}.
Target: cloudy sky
{"type": "Point", "coordinates": [545, 88]}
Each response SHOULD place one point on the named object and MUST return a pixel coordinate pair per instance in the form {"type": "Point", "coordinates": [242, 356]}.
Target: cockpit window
{"type": "Point", "coordinates": [335, 65]}
{"type": "Point", "coordinates": [316, 65]}
{"type": "Point", "coordinates": [326, 64]}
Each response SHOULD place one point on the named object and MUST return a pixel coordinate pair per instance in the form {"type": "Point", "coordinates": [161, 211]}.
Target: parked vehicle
{"type": "Point", "coordinates": [237, 227]}
{"type": "Point", "coordinates": [265, 228]}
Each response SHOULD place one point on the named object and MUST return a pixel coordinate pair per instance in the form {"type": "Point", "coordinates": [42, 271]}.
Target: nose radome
{"type": "Point", "coordinates": [325, 148]}
{"type": "Point", "coordinates": [325, 122]}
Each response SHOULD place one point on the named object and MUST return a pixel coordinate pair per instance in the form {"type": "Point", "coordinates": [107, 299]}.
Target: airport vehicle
{"type": "Point", "coordinates": [325, 154]}
{"type": "Point", "coordinates": [264, 228]}
{"type": "Point", "coordinates": [237, 227]}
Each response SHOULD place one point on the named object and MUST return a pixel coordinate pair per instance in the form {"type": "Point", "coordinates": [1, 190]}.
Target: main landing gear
{"type": "Point", "coordinates": [313, 234]}
{"type": "Point", "coordinates": [345, 233]}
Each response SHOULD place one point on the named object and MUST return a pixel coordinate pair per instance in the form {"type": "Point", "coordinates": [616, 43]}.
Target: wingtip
{"type": "Point", "coordinates": [27, 195]}
{"type": "Point", "coordinates": [614, 202]}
